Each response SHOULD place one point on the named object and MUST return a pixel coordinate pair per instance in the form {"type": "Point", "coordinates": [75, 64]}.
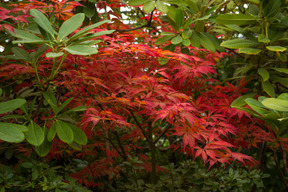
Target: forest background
{"type": "Point", "coordinates": [143, 95]}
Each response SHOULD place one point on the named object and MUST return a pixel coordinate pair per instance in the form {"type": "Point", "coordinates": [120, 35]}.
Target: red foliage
{"type": "Point", "coordinates": [128, 91]}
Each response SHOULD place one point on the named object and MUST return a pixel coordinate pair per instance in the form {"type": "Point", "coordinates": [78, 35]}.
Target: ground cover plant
{"type": "Point", "coordinates": [185, 95]}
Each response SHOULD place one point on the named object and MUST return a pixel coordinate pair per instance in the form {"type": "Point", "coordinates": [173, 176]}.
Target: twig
{"type": "Point", "coordinates": [140, 27]}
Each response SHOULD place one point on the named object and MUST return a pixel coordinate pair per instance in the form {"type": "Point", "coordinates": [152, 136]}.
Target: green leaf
{"type": "Point", "coordinates": [149, 6]}
{"type": "Point", "coordinates": [53, 55]}
{"type": "Point", "coordinates": [237, 19]}
{"type": "Point", "coordinates": [42, 21]}
{"type": "Point", "coordinates": [71, 25]}
{"type": "Point", "coordinates": [79, 135]}
{"type": "Point", "coordinates": [270, 8]}
{"type": "Point", "coordinates": [51, 100]}
{"type": "Point", "coordinates": [89, 37]}
{"type": "Point", "coordinates": [76, 109]}
{"type": "Point", "coordinates": [1, 91]}
{"type": "Point", "coordinates": [179, 17]}
{"type": "Point", "coordinates": [45, 147]}
{"type": "Point", "coordinates": [11, 133]}
{"type": "Point", "coordinates": [264, 73]}
{"type": "Point", "coordinates": [86, 29]}
{"type": "Point", "coordinates": [81, 50]}
{"type": "Point", "coordinates": [11, 105]}
{"type": "Point", "coordinates": [281, 70]}
{"type": "Point", "coordinates": [176, 40]}
{"type": "Point", "coordinates": [65, 104]}
{"type": "Point", "coordinates": [206, 43]}
{"type": "Point", "coordinates": [51, 133]}
{"type": "Point", "coordinates": [276, 48]}
{"type": "Point", "coordinates": [195, 39]}
{"type": "Point", "coordinates": [257, 106]}
{"type": "Point", "coordinates": [276, 104]}
{"type": "Point", "coordinates": [238, 43]}
{"type": "Point", "coordinates": [20, 53]}
{"type": "Point", "coordinates": [186, 34]}
{"type": "Point", "coordinates": [35, 134]}
{"type": "Point", "coordinates": [64, 132]}
{"type": "Point", "coordinates": [263, 39]}
{"type": "Point", "coordinates": [21, 34]}
{"type": "Point", "coordinates": [76, 146]}
{"type": "Point", "coordinates": [240, 101]}
{"type": "Point", "coordinates": [250, 51]}
{"type": "Point", "coordinates": [163, 39]}
{"type": "Point", "coordinates": [192, 5]}
{"type": "Point", "coordinates": [161, 6]}
{"type": "Point", "coordinates": [186, 42]}
{"type": "Point", "coordinates": [137, 2]}
{"type": "Point", "coordinates": [268, 88]}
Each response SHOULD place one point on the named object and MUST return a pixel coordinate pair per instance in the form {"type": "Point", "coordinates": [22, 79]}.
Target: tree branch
{"type": "Point", "coordinates": [161, 135]}
{"type": "Point", "coordinates": [149, 24]}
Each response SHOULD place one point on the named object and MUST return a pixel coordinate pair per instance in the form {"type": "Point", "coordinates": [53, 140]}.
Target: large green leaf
{"type": "Point", "coordinates": [79, 135]}
{"type": "Point", "coordinates": [35, 134]}
{"type": "Point", "coordinates": [11, 133]}
{"type": "Point", "coordinates": [276, 104]}
{"type": "Point", "coordinates": [11, 105]}
{"type": "Point", "coordinates": [54, 55]}
{"type": "Point", "coordinates": [240, 101]}
{"type": "Point", "coordinates": [42, 21]}
{"type": "Point", "coordinates": [149, 6]}
{"type": "Point", "coordinates": [26, 36]}
{"type": "Point", "coordinates": [250, 51]}
{"type": "Point", "coordinates": [270, 8]}
{"type": "Point", "coordinates": [51, 100]}
{"type": "Point", "coordinates": [65, 104]}
{"type": "Point", "coordinates": [268, 88]}
{"type": "Point", "coordinates": [179, 17]}
{"type": "Point", "coordinates": [20, 53]}
{"type": "Point", "coordinates": [64, 131]}
{"type": "Point", "coordinates": [161, 6]}
{"type": "Point", "coordinates": [137, 2]}
{"type": "Point", "coordinates": [71, 25]}
{"type": "Point", "coordinates": [89, 37]}
{"type": "Point", "coordinates": [276, 48]}
{"type": "Point", "coordinates": [206, 42]}
{"type": "Point", "coordinates": [176, 40]}
{"type": "Point", "coordinates": [81, 50]}
{"type": "Point", "coordinates": [237, 19]}
{"type": "Point", "coordinates": [238, 43]}
{"type": "Point", "coordinates": [282, 70]}
{"type": "Point", "coordinates": [86, 29]}
{"type": "Point", "coordinates": [257, 106]}
{"type": "Point", "coordinates": [51, 133]}
{"type": "Point", "coordinates": [264, 74]}
{"type": "Point", "coordinates": [163, 39]}
{"type": "Point", "coordinates": [45, 147]}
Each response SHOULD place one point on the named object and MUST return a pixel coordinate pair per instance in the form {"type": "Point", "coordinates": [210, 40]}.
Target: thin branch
{"type": "Point", "coordinates": [165, 131]}
{"type": "Point", "coordinates": [120, 145]}
{"type": "Point", "coordinates": [139, 125]}
{"type": "Point", "coordinates": [140, 27]}
{"type": "Point", "coordinates": [118, 151]}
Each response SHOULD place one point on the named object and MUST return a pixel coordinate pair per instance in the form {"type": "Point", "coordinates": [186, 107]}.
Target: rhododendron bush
{"type": "Point", "coordinates": [79, 87]}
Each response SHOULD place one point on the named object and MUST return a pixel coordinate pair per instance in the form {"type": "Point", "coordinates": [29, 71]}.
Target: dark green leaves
{"type": "Point", "coordinates": [238, 43]}
{"type": "Point", "coordinates": [35, 134]}
{"type": "Point", "coordinates": [11, 105]}
{"type": "Point", "coordinates": [12, 132]}
{"type": "Point", "coordinates": [237, 19]}
{"type": "Point", "coordinates": [64, 132]}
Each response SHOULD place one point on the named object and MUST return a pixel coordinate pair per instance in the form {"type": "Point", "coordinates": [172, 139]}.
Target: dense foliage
{"type": "Point", "coordinates": [143, 95]}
